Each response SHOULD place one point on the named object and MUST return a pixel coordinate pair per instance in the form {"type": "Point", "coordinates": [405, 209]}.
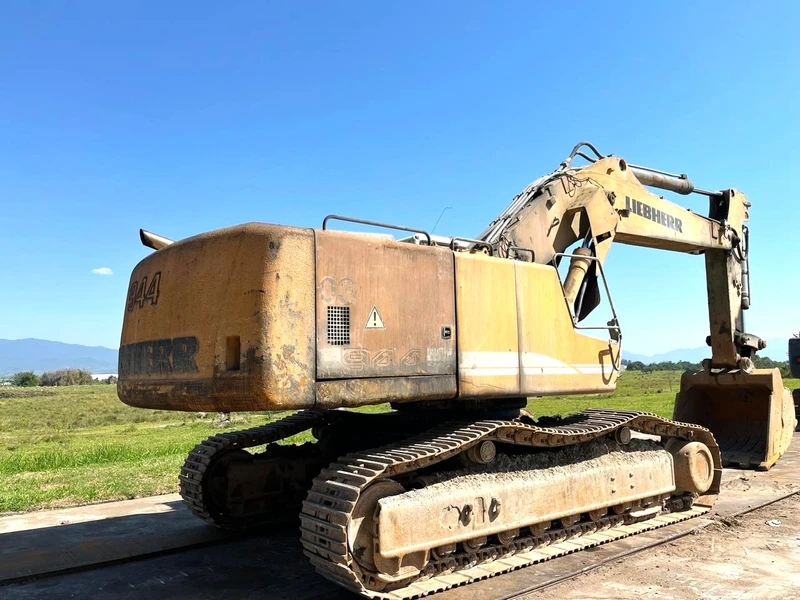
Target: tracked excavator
{"type": "Point", "coordinates": [457, 482]}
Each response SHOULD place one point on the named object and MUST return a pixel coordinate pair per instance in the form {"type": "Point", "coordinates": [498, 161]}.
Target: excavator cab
{"type": "Point", "coordinates": [751, 414]}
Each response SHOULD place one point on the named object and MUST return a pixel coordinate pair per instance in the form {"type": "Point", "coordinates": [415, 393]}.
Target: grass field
{"type": "Point", "coordinates": [76, 445]}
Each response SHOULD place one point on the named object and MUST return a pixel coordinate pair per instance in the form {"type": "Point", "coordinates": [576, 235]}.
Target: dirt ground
{"type": "Point", "coordinates": [739, 559]}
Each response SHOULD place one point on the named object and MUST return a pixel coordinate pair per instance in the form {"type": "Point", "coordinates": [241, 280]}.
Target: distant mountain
{"type": "Point", "coordinates": [43, 355]}
{"type": "Point", "coordinates": [776, 350]}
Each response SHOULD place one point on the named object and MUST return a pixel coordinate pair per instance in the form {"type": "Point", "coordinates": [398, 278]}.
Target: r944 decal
{"type": "Point", "coordinates": [140, 292]}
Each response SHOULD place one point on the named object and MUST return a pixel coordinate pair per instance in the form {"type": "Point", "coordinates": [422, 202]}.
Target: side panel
{"type": "Point", "coordinates": [335, 393]}
{"type": "Point", "coordinates": [384, 309]}
{"type": "Point", "coordinates": [555, 358]}
{"type": "Point", "coordinates": [264, 317]}
{"type": "Point", "coordinates": [229, 327]}
{"type": "Point", "coordinates": [488, 351]}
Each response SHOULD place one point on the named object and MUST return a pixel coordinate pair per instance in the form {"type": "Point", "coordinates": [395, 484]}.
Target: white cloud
{"type": "Point", "coordinates": [103, 271]}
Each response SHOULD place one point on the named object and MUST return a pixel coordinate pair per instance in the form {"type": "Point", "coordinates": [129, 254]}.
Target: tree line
{"type": "Point", "coordinates": [761, 362]}
{"type": "Point", "coordinates": [60, 377]}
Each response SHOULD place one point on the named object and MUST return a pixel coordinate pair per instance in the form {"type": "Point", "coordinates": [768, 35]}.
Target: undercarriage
{"type": "Point", "coordinates": [452, 499]}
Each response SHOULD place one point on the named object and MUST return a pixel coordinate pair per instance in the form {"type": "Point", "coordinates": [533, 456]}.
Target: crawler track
{"type": "Point", "coordinates": [142, 555]}
{"type": "Point", "coordinates": [202, 457]}
{"type": "Point", "coordinates": [334, 493]}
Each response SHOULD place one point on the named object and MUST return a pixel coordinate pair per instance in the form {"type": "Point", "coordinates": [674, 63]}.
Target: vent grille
{"type": "Point", "coordinates": [338, 325]}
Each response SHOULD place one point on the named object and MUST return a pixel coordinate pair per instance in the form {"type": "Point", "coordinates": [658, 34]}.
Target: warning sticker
{"type": "Point", "coordinates": [374, 321]}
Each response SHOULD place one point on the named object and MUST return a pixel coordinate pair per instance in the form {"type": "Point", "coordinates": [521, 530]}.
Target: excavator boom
{"type": "Point", "coordinates": [606, 201]}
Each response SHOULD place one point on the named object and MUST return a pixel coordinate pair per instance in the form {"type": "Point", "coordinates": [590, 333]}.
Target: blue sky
{"type": "Point", "coordinates": [183, 117]}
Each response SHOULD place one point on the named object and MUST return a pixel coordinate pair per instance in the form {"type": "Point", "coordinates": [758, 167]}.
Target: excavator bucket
{"type": "Point", "coordinates": [751, 415]}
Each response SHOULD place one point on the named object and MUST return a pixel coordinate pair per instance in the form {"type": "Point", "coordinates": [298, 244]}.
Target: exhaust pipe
{"type": "Point", "coordinates": [153, 240]}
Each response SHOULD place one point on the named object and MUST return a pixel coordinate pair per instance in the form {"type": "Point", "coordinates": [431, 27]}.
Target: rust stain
{"type": "Point", "coordinates": [356, 392]}
{"type": "Point", "coordinates": [237, 288]}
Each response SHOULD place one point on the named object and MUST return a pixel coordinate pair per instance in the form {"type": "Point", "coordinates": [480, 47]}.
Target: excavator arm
{"type": "Point", "coordinates": [607, 201]}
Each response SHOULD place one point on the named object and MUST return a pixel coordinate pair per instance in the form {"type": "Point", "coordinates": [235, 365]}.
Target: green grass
{"type": "Point", "coordinates": [75, 445]}
{"type": "Point", "coordinates": [649, 392]}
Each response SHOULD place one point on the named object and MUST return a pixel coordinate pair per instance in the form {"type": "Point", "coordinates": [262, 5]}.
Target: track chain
{"type": "Point", "coordinates": [334, 493]}
{"type": "Point", "coordinates": [204, 454]}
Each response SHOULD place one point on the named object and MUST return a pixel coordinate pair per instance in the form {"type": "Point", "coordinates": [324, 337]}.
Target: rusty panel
{"type": "Point", "coordinates": [384, 308]}
{"type": "Point", "coordinates": [555, 358]}
{"type": "Point", "coordinates": [224, 323]}
{"type": "Point", "coordinates": [488, 352]}
{"type": "Point", "coordinates": [358, 392]}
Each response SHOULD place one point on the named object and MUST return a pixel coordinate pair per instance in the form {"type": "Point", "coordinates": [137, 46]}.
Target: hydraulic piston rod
{"type": "Point", "coordinates": [680, 184]}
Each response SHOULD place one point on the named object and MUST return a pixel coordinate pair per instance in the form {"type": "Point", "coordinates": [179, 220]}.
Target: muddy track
{"type": "Point", "coordinates": [333, 496]}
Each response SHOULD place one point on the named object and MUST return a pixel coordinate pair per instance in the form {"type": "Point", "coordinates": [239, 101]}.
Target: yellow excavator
{"type": "Point", "coordinates": [458, 481]}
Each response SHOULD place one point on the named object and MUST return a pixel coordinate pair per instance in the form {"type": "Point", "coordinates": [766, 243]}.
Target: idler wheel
{"type": "Point", "coordinates": [694, 465]}
{"type": "Point", "coordinates": [361, 529]}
